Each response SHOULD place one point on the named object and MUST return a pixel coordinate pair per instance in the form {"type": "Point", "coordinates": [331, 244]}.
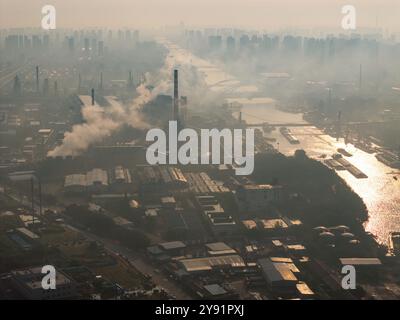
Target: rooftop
{"type": "Point", "coordinates": [260, 187]}
{"type": "Point", "coordinates": [273, 223]}
{"type": "Point", "coordinates": [172, 245]}
{"type": "Point", "coordinates": [275, 271]}
{"type": "Point", "coordinates": [360, 261]}
{"type": "Point", "coordinates": [214, 289]}
{"type": "Point", "coordinates": [208, 263]}
{"type": "Point", "coordinates": [219, 248]}
{"type": "Point", "coordinates": [249, 224]}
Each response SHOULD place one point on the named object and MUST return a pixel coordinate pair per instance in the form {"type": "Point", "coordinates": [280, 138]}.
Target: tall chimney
{"type": "Point", "coordinates": [92, 97]}
{"type": "Point", "coordinates": [37, 78]}
{"type": "Point", "coordinates": [40, 197]}
{"type": "Point", "coordinates": [176, 96]}
{"type": "Point", "coordinates": [130, 81]}
{"type": "Point", "coordinates": [101, 81]}
{"type": "Point", "coordinates": [32, 203]}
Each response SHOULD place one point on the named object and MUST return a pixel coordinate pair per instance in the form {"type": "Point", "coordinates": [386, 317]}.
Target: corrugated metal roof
{"type": "Point", "coordinates": [360, 261]}
{"type": "Point", "coordinates": [276, 272]}
{"type": "Point", "coordinates": [207, 263]}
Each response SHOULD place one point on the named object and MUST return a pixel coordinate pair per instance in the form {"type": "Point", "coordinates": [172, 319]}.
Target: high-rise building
{"type": "Point", "coordinates": [176, 96]}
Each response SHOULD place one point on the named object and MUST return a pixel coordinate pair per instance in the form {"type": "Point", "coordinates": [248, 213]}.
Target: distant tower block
{"type": "Point", "coordinates": [92, 97]}
{"type": "Point", "coordinates": [176, 96]}
{"type": "Point", "coordinates": [79, 82]}
{"type": "Point", "coordinates": [17, 86]}
{"type": "Point", "coordinates": [130, 80]}
{"type": "Point", "coordinates": [37, 78]}
{"type": "Point", "coordinates": [45, 86]}
{"type": "Point", "coordinates": [339, 125]}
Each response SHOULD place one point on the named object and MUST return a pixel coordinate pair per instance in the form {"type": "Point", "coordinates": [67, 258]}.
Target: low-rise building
{"type": "Point", "coordinates": [219, 248]}
{"type": "Point", "coordinates": [207, 264]}
{"type": "Point", "coordinates": [28, 283]}
{"type": "Point", "coordinates": [97, 180]}
{"type": "Point", "coordinates": [254, 197]}
{"type": "Point", "coordinates": [278, 275]}
{"type": "Point", "coordinates": [220, 222]}
{"type": "Point", "coordinates": [94, 181]}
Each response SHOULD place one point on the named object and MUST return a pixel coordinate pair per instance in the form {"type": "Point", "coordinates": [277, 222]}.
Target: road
{"type": "Point", "coordinates": [139, 263]}
{"type": "Point", "coordinates": [132, 258]}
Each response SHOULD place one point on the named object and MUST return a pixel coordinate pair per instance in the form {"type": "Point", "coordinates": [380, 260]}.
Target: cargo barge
{"type": "Point", "coordinates": [288, 135]}
{"type": "Point", "coordinates": [389, 158]}
{"type": "Point", "coordinates": [349, 167]}
{"type": "Point", "coordinates": [344, 152]}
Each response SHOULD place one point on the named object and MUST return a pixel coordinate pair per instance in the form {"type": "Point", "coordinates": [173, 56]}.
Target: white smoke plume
{"type": "Point", "coordinates": [101, 123]}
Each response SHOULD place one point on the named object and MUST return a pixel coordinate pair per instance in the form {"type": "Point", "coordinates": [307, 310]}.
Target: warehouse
{"type": "Point", "coordinates": [212, 263]}
{"type": "Point", "coordinates": [257, 197]}
{"type": "Point", "coordinates": [75, 183]}
{"type": "Point", "coordinates": [94, 181]}
{"type": "Point", "coordinates": [278, 275]}
{"type": "Point", "coordinates": [219, 248]}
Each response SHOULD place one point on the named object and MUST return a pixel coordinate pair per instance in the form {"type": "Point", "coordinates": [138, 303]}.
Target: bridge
{"type": "Point", "coordinates": [325, 124]}
{"type": "Point", "coordinates": [280, 124]}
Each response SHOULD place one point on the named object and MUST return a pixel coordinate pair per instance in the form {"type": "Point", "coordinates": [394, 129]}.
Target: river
{"type": "Point", "coordinates": [380, 191]}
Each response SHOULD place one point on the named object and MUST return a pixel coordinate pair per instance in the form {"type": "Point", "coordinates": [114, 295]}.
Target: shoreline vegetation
{"type": "Point", "coordinates": [314, 192]}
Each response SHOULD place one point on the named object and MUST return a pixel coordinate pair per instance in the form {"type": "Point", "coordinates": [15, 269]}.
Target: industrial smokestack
{"type": "Point", "coordinates": [176, 96]}
{"type": "Point", "coordinates": [360, 84]}
{"type": "Point", "coordinates": [79, 82]}
{"type": "Point", "coordinates": [40, 197]}
{"type": "Point", "coordinates": [101, 81]}
{"type": "Point", "coordinates": [33, 202]}
{"type": "Point", "coordinates": [130, 80]}
{"type": "Point", "coordinates": [92, 97]}
{"type": "Point", "coordinates": [37, 78]}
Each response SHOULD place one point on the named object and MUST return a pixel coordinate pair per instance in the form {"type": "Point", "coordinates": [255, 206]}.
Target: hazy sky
{"type": "Point", "coordinates": [246, 13]}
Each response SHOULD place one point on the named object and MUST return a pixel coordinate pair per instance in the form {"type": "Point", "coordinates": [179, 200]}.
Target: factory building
{"type": "Point", "coordinates": [278, 275]}
{"type": "Point", "coordinates": [120, 179]}
{"type": "Point", "coordinates": [166, 250]}
{"type": "Point", "coordinates": [364, 266]}
{"type": "Point", "coordinates": [161, 179]}
{"type": "Point", "coordinates": [219, 248]}
{"type": "Point", "coordinates": [257, 197]}
{"type": "Point", "coordinates": [221, 223]}
{"type": "Point", "coordinates": [75, 183]}
{"type": "Point", "coordinates": [201, 183]}
{"type": "Point", "coordinates": [208, 264]}
{"type": "Point", "coordinates": [98, 181]}
{"type": "Point", "coordinates": [28, 283]}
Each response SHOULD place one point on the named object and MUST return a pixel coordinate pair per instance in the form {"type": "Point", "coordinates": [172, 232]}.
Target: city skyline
{"type": "Point", "coordinates": [310, 14]}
